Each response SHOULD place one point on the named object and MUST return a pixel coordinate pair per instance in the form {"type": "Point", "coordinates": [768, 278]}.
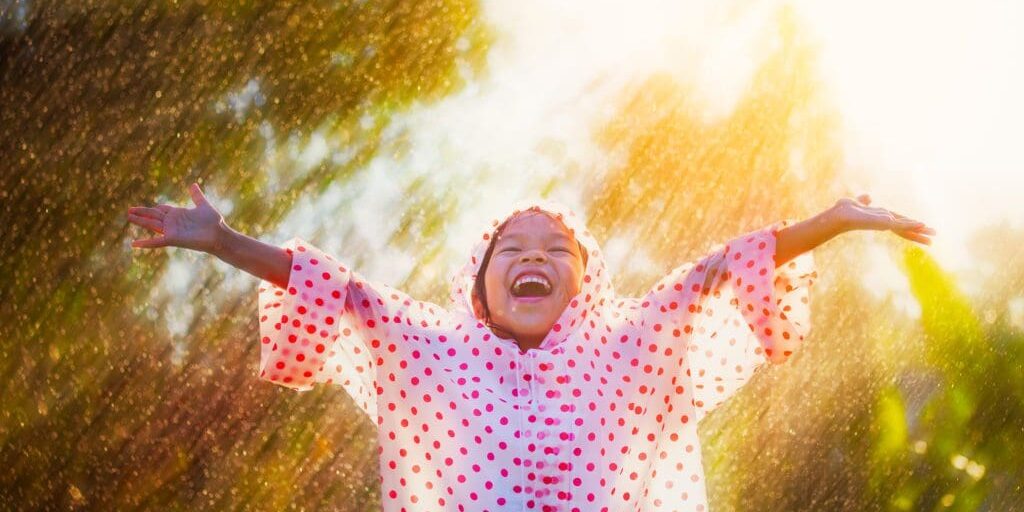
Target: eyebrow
{"type": "Point", "coordinates": [561, 236]}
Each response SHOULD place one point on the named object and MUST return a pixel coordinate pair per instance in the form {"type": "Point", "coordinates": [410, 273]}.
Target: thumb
{"type": "Point", "coordinates": [197, 195]}
{"type": "Point", "coordinates": [150, 243]}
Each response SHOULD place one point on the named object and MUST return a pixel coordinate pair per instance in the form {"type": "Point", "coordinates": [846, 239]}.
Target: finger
{"type": "Point", "coordinates": [197, 195]}
{"type": "Point", "coordinates": [904, 217]}
{"type": "Point", "coordinates": [914, 224]}
{"type": "Point", "coordinates": [916, 237]}
{"type": "Point", "coordinates": [879, 218]}
{"type": "Point", "coordinates": [147, 222]}
{"type": "Point", "coordinates": [878, 210]}
{"type": "Point", "coordinates": [906, 223]}
{"type": "Point", "coordinates": [141, 211]}
{"type": "Point", "coordinates": [895, 220]}
{"type": "Point", "coordinates": [150, 243]}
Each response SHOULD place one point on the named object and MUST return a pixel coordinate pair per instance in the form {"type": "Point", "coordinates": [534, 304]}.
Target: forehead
{"type": "Point", "coordinates": [535, 224]}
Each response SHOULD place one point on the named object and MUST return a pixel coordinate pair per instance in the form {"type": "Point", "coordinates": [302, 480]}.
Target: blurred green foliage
{"type": "Point", "coordinates": [962, 449]}
{"type": "Point", "coordinates": [111, 104]}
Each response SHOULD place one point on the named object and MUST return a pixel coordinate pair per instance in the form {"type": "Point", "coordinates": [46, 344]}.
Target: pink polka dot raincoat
{"type": "Point", "coordinates": [602, 416]}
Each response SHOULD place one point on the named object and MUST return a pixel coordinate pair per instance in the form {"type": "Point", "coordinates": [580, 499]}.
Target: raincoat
{"type": "Point", "coordinates": [601, 416]}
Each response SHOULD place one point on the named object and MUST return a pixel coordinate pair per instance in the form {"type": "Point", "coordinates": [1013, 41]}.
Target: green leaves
{"type": "Point", "coordinates": [956, 448]}
{"type": "Point", "coordinates": [955, 341]}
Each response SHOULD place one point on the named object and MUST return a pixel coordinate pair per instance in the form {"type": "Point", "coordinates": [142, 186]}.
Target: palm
{"type": "Point", "coordinates": [857, 214]}
{"type": "Point", "coordinates": [191, 228]}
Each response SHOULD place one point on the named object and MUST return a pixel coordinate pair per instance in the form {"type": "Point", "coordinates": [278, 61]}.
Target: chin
{"type": "Point", "coordinates": [531, 328]}
{"type": "Point", "coordinates": [534, 319]}
{"type": "Point", "coordinates": [541, 330]}
{"type": "Point", "coordinates": [528, 327]}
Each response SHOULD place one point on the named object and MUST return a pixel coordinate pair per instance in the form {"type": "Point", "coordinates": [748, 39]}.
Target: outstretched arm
{"type": "Point", "coordinates": [846, 215]}
{"type": "Point", "coordinates": [265, 261]}
{"type": "Point", "coordinates": [203, 229]}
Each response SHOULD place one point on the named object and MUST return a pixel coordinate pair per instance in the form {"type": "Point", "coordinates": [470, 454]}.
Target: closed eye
{"type": "Point", "coordinates": [562, 249]}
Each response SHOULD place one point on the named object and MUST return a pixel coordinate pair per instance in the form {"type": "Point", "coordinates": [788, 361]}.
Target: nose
{"type": "Point", "coordinates": [533, 255]}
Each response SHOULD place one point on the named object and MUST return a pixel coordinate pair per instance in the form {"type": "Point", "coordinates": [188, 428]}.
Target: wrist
{"type": "Point", "coordinates": [222, 240]}
{"type": "Point", "coordinates": [834, 222]}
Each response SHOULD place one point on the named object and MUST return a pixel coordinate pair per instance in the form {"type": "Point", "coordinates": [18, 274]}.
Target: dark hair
{"type": "Point", "coordinates": [479, 289]}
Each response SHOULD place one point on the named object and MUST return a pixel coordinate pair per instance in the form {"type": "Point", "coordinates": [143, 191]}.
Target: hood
{"type": "Point", "coordinates": [595, 290]}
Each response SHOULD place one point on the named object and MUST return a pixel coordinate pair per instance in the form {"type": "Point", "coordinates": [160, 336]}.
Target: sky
{"type": "Point", "coordinates": [930, 97]}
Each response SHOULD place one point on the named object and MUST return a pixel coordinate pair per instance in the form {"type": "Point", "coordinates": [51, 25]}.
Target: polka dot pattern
{"type": "Point", "coordinates": [601, 417]}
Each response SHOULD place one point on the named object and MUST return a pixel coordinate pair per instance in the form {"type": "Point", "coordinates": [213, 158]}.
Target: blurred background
{"type": "Point", "coordinates": [385, 131]}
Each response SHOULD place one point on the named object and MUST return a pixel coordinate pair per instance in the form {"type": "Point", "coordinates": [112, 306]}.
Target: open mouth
{"type": "Point", "coordinates": [531, 286]}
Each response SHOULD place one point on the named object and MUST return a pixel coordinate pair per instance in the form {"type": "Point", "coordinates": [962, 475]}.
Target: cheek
{"type": "Point", "coordinates": [493, 284]}
{"type": "Point", "coordinates": [575, 287]}
{"type": "Point", "coordinates": [573, 280]}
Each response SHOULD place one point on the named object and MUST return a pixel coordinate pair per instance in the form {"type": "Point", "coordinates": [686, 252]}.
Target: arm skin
{"type": "Point", "coordinates": [796, 239]}
{"type": "Point", "coordinates": [265, 261]}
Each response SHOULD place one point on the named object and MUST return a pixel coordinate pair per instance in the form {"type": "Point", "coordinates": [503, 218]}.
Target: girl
{"type": "Point", "coordinates": [538, 388]}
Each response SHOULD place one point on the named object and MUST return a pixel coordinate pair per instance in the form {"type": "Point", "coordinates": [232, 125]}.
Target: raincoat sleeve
{"type": "Point", "coordinates": [730, 313]}
{"type": "Point", "coordinates": [331, 326]}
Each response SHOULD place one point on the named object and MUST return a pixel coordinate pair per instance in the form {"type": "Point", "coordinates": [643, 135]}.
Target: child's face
{"type": "Point", "coordinates": [536, 245]}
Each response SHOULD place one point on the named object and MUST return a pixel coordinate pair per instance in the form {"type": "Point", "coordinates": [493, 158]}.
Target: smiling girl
{"type": "Point", "coordinates": [537, 388]}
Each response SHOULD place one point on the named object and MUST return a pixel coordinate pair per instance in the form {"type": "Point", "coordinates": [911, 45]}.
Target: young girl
{"type": "Point", "coordinates": [538, 388]}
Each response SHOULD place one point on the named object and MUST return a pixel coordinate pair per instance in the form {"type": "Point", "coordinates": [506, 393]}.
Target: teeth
{"type": "Point", "coordinates": [532, 279]}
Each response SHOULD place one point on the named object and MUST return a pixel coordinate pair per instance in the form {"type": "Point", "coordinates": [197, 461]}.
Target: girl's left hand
{"type": "Point", "coordinates": [855, 214]}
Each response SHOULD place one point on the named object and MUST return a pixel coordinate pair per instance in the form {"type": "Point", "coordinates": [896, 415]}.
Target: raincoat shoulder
{"type": "Point", "coordinates": [330, 325]}
{"type": "Point", "coordinates": [720, 318]}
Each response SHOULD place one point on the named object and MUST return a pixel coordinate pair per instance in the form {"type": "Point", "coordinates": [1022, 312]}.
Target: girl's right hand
{"type": "Point", "coordinates": [197, 228]}
{"type": "Point", "coordinates": [855, 214]}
